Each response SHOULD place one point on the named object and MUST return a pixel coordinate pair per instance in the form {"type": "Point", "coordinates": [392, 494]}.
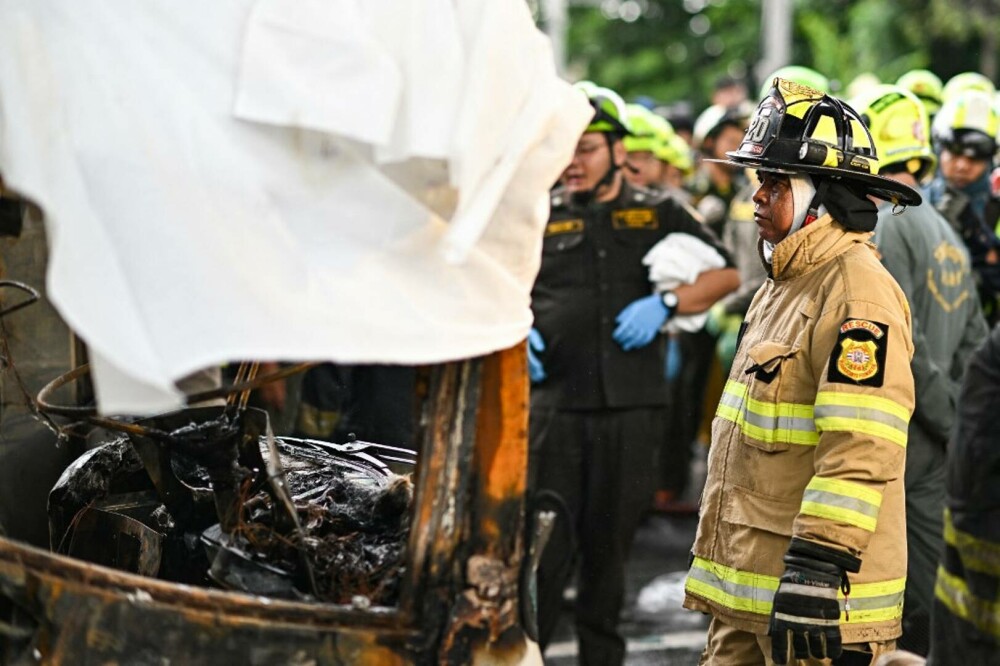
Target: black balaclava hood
{"type": "Point", "coordinates": [847, 203]}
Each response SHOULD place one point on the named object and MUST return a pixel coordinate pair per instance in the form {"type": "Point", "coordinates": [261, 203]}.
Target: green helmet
{"type": "Point", "coordinates": [610, 115]}
{"type": "Point", "coordinates": [898, 122]}
{"type": "Point", "coordinates": [967, 125]}
{"type": "Point", "coordinates": [797, 129]}
{"type": "Point", "coordinates": [677, 152]}
{"type": "Point", "coordinates": [926, 85]}
{"type": "Point", "coordinates": [649, 132]}
{"type": "Point", "coordinates": [802, 75]}
{"type": "Point", "coordinates": [967, 81]}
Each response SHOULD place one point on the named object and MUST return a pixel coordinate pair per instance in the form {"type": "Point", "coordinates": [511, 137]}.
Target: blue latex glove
{"type": "Point", "coordinates": [640, 321]}
{"type": "Point", "coordinates": [536, 345]}
{"type": "Point", "coordinates": [674, 360]}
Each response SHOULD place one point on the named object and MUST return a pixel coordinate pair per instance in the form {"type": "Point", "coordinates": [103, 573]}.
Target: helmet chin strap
{"type": "Point", "coordinates": [812, 213]}
{"type": "Point", "coordinates": [586, 197]}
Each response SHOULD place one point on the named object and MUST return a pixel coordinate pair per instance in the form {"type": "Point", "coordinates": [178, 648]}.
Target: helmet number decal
{"type": "Point", "coordinates": [761, 123]}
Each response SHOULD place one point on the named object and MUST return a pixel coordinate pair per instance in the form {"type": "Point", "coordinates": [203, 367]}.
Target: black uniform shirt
{"type": "Point", "coordinates": [591, 269]}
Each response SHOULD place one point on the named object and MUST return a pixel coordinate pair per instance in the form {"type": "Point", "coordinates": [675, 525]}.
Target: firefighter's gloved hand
{"type": "Point", "coordinates": [806, 614]}
{"type": "Point", "coordinates": [640, 321]}
{"type": "Point", "coordinates": [536, 345]}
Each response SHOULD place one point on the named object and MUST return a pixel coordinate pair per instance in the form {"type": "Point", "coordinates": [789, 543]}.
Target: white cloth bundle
{"type": "Point", "coordinates": [679, 259]}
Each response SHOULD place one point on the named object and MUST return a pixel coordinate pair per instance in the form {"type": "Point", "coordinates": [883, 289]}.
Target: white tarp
{"type": "Point", "coordinates": [283, 179]}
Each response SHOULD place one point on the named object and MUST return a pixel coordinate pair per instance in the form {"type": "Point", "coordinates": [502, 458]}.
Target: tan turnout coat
{"type": "Point", "coordinates": [809, 439]}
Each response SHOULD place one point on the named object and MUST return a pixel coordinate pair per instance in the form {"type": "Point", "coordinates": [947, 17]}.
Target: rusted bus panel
{"type": "Point", "coordinates": [87, 614]}
{"type": "Point", "coordinates": [501, 457]}
{"type": "Point", "coordinates": [20, 563]}
{"type": "Point", "coordinates": [457, 441]}
{"type": "Point", "coordinates": [431, 462]}
{"type": "Point", "coordinates": [441, 489]}
{"type": "Point", "coordinates": [482, 629]}
{"type": "Point", "coordinates": [485, 621]}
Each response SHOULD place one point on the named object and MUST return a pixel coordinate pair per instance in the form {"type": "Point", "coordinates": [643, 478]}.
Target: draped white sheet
{"type": "Point", "coordinates": [283, 179]}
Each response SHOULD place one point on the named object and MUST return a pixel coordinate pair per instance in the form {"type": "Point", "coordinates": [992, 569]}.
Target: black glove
{"type": "Point", "coordinates": [805, 606]}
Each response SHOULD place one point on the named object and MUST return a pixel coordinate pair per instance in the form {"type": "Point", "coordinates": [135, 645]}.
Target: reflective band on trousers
{"type": "Point", "coordinates": [842, 501]}
{"type": "Point", "coordinates": [754, 593]}
{"type": "Point", "coordinates": [766, 421]}
{"type": "Point", "coordinates": [796, 423]}
{"type": "Point", "coordinates": [977, 554]}
{"type": "Point", "coordinates": [868, 414]}
{"type": "Point", "coordinates": [955, 595]}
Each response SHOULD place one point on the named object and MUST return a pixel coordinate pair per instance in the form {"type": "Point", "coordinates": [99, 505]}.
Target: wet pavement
{"type": "Point", "coordinates": [657, 629]}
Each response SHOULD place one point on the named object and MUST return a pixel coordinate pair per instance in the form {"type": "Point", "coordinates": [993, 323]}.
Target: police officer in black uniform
{"type": "Point", "coordinates": [598, 404]}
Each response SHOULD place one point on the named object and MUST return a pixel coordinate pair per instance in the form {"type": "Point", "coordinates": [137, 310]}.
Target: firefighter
{"type": "Point", "coordinates": [596, 357]}
{"type": "Point", "coordinates": [965, 628]}
{"type": "Point", "coordinates": [930, 263]}
{"type": "Point", "coordinates": [801, 545]}
{"type": "Point", "coordinates": [964, 134]}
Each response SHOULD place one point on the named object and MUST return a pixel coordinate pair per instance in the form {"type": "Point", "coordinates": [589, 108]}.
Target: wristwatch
{"type": "Point", "coordinates": [670, 300]}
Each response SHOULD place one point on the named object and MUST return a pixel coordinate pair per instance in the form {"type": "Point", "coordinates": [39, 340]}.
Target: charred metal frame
{"type": "Point", "coordinates": [460, 597]}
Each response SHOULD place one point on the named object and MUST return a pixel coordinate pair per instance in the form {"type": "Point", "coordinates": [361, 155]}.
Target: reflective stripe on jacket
{"type": "Point", "coordinates": [968, 578]}
{"type": "Point", "coordinates": [810, 436]}
{"type": "Point", "coordinates": [966, 627]}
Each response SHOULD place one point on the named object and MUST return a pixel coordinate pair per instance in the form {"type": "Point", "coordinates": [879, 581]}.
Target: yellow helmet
{"type": "Point", "coordinates": [926, 85]}
{"type": "Point", "coordinates": [650, 132]}
{"type": "Point", "coordinates": [899, 125]}
{"type": "Point", "coordinates": [677, 152]}
{"type": "Point", "coordinates": [797, 129]}
{"type": "Point", "coordinates": [967, 81]}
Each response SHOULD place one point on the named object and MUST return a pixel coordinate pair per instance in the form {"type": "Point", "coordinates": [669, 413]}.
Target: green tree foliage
{"type": "Point", "coordinates": [661, 53]}
{"type": "Point", "coordinates": [676, 49]}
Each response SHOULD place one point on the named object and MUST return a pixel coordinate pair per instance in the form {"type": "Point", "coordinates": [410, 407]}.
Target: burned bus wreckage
{"type": "Point", "coordinates": [347, 561]}
{"type": "Point", "coordinates": [249, 182]}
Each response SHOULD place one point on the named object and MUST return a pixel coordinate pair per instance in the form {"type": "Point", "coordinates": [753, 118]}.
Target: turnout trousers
{"type": "Point", "coordinates": [603, 464]}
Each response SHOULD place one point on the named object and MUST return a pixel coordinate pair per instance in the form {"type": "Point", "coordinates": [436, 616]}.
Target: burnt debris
{"type": "Point", "coordinates": [353, 534]}
{"type": "Point", "coordinates": [315, 521]}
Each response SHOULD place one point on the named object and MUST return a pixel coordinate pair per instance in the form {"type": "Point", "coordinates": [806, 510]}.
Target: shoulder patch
{"type": "Point", "coordinates": [563, 227]}
{"type": "Point", "coordinates": [858, 358]}
{"type": "Point", "coordinates": [635, 218]}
